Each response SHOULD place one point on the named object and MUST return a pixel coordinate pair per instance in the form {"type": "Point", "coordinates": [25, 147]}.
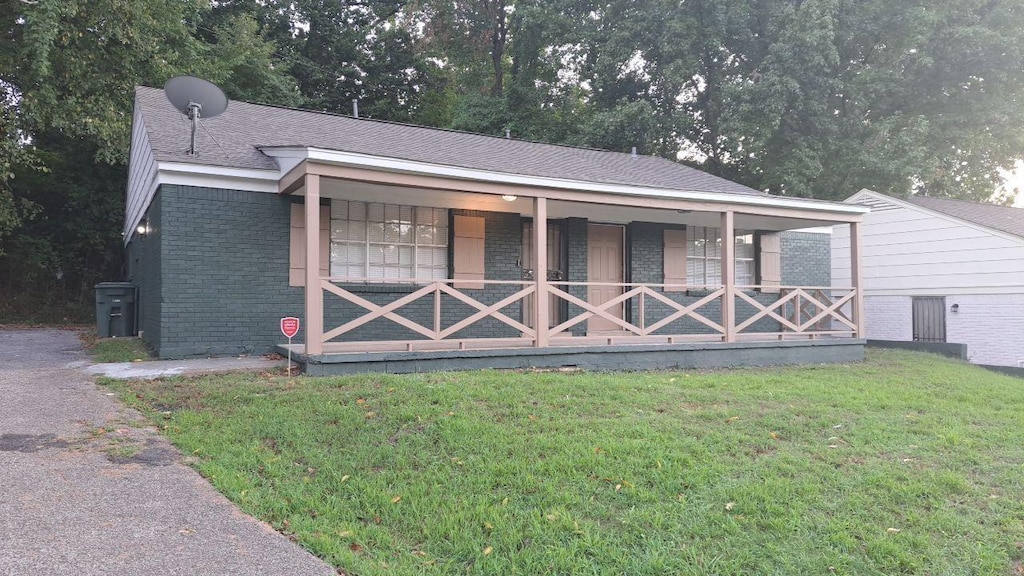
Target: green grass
{"type": "Point", "coordinates": [904, 464]}
{"type": "Point", "coordinates": [119, 350]}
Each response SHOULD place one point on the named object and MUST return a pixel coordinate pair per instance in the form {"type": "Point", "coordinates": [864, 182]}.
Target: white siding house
{"type": "Point", "coordinates": [941, 270]}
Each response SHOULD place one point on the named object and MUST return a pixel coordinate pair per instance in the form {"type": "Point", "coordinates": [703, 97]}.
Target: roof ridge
{"type": "Point", "coordinates": [439, 129]}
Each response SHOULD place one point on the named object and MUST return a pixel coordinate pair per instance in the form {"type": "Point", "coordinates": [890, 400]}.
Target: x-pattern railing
{"type": "Point", "coordinates": [605, 310]}
{"type": "Point", "coordinates": [436, 289]}
{"type": "Point", "coordinates": [821, 307]}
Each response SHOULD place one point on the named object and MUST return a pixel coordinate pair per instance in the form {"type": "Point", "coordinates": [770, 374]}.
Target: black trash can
{"type": "Point", "coordinates": [115, 309]}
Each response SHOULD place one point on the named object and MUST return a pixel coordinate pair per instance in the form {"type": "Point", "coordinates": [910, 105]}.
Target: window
{"type": "Point", "coordinates": [387, 241]}
{"type": "Point", "coordinates": [704, 257]}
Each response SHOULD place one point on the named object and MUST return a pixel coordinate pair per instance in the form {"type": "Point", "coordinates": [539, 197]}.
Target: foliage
{"type": "Point", "coordinates": [813, 98]}
{"type": "Point", "coordinates": [857, 469]}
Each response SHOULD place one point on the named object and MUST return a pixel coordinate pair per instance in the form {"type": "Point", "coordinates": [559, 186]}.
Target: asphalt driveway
{"type": "Point", "coordinates": [87, 488]}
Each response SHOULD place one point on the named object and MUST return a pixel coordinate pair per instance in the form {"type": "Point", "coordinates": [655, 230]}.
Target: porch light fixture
{"type": "Point", "coordinates": [143, 227]}
{"type": "Point", "coordinates": [509, 197]}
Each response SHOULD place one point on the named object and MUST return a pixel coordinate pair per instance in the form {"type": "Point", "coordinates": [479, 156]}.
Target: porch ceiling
{"type": "Point", "coordinates": [557, 209]}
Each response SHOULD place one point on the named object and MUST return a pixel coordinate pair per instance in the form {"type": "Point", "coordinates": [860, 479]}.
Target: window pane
{"type": "Point", "coordinates": [339, 230]}
{"type": "Point", "coordinates": [357, 210]}
{"type": "Point", "coordinates": [405, 234]}
{"type": "Point", "coordinates": [424, 257]}
{"type": "Point", "coordinates": [390, 232]}
{"type": "Point", "coordinates": [695, 271]}
{"type": "Point", "coordinates": [714, 272]}
{"type": "Point", "coordinates": [744, 272]}
{"type": "Point", "coordinates": [375, 232]}
{"type": "Point", "coordinates": [339, 209]}
{"type": "Point", "coordinates": [376, 255]}
{"type": "Point", "coordinates": [426, 234]}
{"type": "Point", "coordinates": [356, 231]}
{"type": "Point", "coordinates": [745, 246]}
{"type": "Point", "coordinates": [424, 215]}
{"type": "Point", "coordinates": [375, 212]}
{"type": "Point", "coordinates": [391, 213]}
{"type": "Point", "coordinates": [441, 259]}
{"type": "Point", "coordinates": [405, 256]}
{"type": "Point", "coordinates": [356, 272]}
{"type": "Point", "coordinates": [405, 214]}
{"type": "Point", "coordinates": [356, 254]}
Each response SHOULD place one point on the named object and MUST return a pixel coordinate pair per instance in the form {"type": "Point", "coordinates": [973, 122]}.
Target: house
{"type": "Point", "coordinates": [425, 247]}
{"type": "Point", "coordinates": [939, 270]}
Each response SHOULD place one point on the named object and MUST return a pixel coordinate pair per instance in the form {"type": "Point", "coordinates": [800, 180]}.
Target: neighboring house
{"type": "Point", "coordinates": [938, 270]}
{"type": "Point", "coordinates": [425, 244]}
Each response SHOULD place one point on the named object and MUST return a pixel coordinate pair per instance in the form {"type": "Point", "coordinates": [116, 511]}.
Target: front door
{"type": "Point", "coordinates": [604, 266]}
{"type": "Point", "coordinates": [555, 272]}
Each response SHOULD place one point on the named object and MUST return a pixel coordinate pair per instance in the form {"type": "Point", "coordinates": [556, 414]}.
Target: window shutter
{"type": "Point", "coordinates": [675, 260]}
{"type": "Point", "coordinates": [771, 262]}
{"type": "Point", "coordinates": [468, 250]}
{"type": "Point", "coordinates": [297, 244]}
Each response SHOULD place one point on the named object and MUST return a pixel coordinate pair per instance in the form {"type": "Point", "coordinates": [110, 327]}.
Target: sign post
{"type": "Point", "coordinates": [289, 327]}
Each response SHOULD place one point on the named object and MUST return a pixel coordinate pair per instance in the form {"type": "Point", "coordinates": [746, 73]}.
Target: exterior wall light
{"type": "Point", "coordinates": [143, 228]}
{"type": "Point", "coordinates": [955, 308]}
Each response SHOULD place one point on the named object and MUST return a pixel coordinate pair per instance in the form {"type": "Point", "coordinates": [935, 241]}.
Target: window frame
{"type": "Point", "coordinates": [703, 258]}
{"type": "Point", "coordinates": [420, 274]}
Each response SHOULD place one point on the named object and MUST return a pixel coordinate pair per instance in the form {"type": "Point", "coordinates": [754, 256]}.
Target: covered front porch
{"type": "Point", "coordinates": [634, 277]}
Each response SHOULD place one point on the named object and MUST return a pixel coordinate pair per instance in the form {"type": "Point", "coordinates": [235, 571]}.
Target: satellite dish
{"type": "Point", "coordinates": [195, 98]}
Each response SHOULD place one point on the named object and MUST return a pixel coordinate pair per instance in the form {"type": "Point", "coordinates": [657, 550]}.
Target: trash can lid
{"type": "Point", "coordinates": [114, 285]}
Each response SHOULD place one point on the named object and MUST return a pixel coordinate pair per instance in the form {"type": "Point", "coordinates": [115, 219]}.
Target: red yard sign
{"type": "Point", "coordinates": [290, 326]}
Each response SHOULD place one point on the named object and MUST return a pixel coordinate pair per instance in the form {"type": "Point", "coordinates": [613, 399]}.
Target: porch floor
{"type": "Point", "coordinates": [588, 353]}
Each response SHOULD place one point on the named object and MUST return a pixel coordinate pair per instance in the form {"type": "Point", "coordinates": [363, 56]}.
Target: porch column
{"type": "Point", "coordinates": [728, 276]}
{"type": "Point", "coordinates": [857, 277]}
{"type": "Point", "coordinates": [313, 291]}
{"type": "Point", "coordinates": [540, 270]}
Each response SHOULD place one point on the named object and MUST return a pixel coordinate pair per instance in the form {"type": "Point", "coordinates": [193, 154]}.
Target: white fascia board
{"type": "Point", "coordinates": [946, 291]}
{"type": "Point", "coordinates": [201, 175]}
{"type": "Point", "coordinates": [422, 168]}
{"type": "Point", "coordinates": [940, 215]}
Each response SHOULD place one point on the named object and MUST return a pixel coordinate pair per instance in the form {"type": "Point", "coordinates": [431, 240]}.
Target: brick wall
{"type": "Point", "coordinates": [992, 326]}
{"type": "Point", "coordinates": [888, 317]}
{"type": "Point", "coordinates": [806, 259]}
{"type": "Point", "coordinates": [213, 276]}
{"type": "Point", "coordinates": [144, 271]}
{"type": "Point", "coordinates": [221, 266]}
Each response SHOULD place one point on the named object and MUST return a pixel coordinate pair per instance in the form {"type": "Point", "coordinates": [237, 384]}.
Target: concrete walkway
{"type": "Point", "coordinates": [73, 501]}
{"type": "Point", "coordinates": [152, 369]}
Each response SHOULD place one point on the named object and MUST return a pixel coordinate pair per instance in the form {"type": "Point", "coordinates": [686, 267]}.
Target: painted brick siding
{"type": "Point", "coordinates": [213, 276]}
{"type": "Point", "coordinates": [992, 326]}
{"type": "Point", "coordinates": [224, 266]}
{"type": "Point", "coordinates": [806, 259]}
{"type": "Point", "coordinates": [144, 272]}
{"type": "Point", "coordinates": [224, 271]}
{"type": "Point", "coordinates": [888, 317]}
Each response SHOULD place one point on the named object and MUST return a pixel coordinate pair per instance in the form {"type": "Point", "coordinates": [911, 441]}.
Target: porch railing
{"type": "Point", "coordinates": [639, 313]}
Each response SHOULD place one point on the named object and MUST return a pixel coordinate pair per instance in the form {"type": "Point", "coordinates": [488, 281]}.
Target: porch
{"type": "Point", "coordinates": [613, 311]}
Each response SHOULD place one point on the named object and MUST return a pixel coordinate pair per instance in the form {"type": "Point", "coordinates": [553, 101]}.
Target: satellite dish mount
{"type": "Point", "coordinates": [195, 98]}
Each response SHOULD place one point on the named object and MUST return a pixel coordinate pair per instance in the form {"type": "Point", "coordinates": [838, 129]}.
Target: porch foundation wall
{"type": "Point", "coordinates": [600, 358]}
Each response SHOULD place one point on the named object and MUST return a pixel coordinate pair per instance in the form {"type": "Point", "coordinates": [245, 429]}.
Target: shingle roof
{"type": "Point", "coordinates": [233, 140]}
{"type": "Point", "coordinates": [1003, 218]}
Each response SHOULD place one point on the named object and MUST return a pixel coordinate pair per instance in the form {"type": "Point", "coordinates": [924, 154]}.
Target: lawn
{"type": "Point", "coordinates": [117, 349]}
{"type": "Point", "coordinates": [904, 464]}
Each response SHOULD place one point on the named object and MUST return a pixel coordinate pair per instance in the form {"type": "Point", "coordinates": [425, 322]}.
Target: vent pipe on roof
{"type": "Point", "coordinates": [508, 133]}
{"type": "Point", "coordinates": [355, 108]}
{"type": "Point", "coordinates": [634, 151]}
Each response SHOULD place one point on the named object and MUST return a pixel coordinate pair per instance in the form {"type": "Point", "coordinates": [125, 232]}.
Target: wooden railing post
{"type": "Point", "coordinates": [313, 290]}
{"type": "Point", "coordinates": [728, 277]}
{"type": "Point", "coordinates": [540, 270]}
{"type": "Point", "coordinates": [857, 277]}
